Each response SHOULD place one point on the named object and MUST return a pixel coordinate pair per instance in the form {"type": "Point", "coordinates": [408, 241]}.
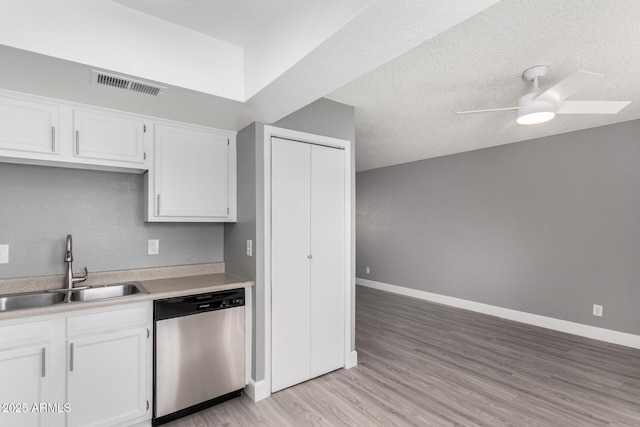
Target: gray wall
{"type": "Point", "coordinates": [236, 234]}
{"type": "Point", "coordinates": [322, 117]}
{"type": "Point", "coordinates": [103, 211]}
{"type": "Point", "coordinates": [548, 226]}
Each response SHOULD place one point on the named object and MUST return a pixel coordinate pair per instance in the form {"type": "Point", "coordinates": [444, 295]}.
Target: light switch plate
{"type": "Point", "coordinates": [249, 247]}
{"type": "Point", "coordinates": [4, 254]}
{"type": "Point", "coordinates": [153, 247]}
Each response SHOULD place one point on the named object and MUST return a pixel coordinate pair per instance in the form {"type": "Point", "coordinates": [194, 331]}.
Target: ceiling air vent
{"type": "Point", "coordinates": [119, 82]}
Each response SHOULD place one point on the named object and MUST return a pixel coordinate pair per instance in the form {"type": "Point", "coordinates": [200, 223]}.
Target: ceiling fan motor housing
{"type": "Point", "coordinates": [533, 111]}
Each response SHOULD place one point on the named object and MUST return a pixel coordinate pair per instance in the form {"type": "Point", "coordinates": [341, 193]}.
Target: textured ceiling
{"type": "Point", "coordinates": [405, 109]}
{"type": "Point", "coordinates": [406, 65]}
{"type": "Point", "coordinates": [355, 37]}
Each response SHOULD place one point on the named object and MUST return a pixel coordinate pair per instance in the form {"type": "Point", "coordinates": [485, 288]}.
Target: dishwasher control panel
{"type": "Point", "coordinates": [192, 304]}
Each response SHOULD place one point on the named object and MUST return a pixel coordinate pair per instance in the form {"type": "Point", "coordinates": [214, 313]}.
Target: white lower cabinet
{"type": "Point", "coordinates": [107, 367]}
{"type": "Point", "coordinates": [23, 371]}
{"type": "Point", "coordinates": [92, 368]}
{"type": "Point", "coordinates": [105, 390]}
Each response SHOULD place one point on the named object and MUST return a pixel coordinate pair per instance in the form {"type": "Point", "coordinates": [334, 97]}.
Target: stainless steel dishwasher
{"type": "Point", "coordinates": [199, 352]}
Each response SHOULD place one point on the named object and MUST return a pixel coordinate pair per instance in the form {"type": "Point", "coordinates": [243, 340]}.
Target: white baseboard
{"type": "Point", "coordinates": [601, 334]}
{"type": "Point", "coordinates": [257, 390]}
{"type": "Point", "coordinates": [352, 360]}
{"type": "Point", "coordinates": [145, 423]}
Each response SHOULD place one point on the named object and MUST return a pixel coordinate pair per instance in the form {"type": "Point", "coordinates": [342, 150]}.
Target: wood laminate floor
{"type": "Point", "coordinates": [424, 364]}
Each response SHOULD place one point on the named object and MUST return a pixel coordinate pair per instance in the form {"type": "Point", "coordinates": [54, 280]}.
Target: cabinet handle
{"type": "Point", "coordinates": [158, 205]}
{"type": "Point", "coordinates": [71, 350]}
{"type": "Point", "coordinates": [309, 256]}
{"type": "Point", "coordinates": [77, 143]}
{"type": "Point", "coordinates": [44, 362]}
{"type": "Point", "coordinates": [53, 139]}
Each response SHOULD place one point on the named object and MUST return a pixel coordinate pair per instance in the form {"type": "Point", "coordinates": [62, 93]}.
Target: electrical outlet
{"type": "Point", "coordinates": [153, 247]}
{"type": "Point", "coordinates": [249, 247]}
{"type": "Point", "coordinates": [4, 254]}
{"type": "Point", "coordinates": [367, 270]}
{"type": "Point", "coordinates": [597, 310]}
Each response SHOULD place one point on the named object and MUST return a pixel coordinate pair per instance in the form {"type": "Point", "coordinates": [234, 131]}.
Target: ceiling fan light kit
{"type": "Point", "coordinates": [536, 107]}
{"type": "Point", "coordinates": [532, 112]}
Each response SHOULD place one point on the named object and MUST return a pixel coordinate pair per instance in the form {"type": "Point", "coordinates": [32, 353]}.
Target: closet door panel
{"type": "Point", "coordinates": [290, 248]}
{"type": "Point", "coordinates": [327, 266]}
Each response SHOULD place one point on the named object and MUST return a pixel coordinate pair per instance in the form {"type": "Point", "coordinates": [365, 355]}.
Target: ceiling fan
{"type": "Point", "coordinates": [539, 107]}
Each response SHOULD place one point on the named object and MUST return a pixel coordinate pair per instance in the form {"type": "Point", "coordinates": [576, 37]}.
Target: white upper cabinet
{"type": "Point", "coordinates": [193, 178]}
{"type": "Point", "coordinates": [42, 131]}
{"type": "Point", "coordinates": [28, 128]}
{"type": "Point", "coordinates": [191, 169]}
{"type": "Point", "coordinates": [105, 136]}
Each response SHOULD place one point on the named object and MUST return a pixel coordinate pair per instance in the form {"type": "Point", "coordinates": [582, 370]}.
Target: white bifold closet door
{"type": "Point", "coordinates": [307, 261]}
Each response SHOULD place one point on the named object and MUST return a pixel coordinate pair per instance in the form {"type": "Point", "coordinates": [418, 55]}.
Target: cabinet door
{"type": "Point", "coordinates": [290, 279]}
{"type": "Point", "coordinates": [104, 136]}
{"type": "Point", "coordinates": [190, 173]}
{"type": "Point", "coordinates": [27, 126]}
{"type": "Point", "coordinates": [25, 374]}
{"type": "Point", "coordinates": [327, 264]}
{"type": "Point", "coordinates": [107, 378]}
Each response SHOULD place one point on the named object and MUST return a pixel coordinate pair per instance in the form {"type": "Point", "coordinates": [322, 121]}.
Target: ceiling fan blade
{"type": "Point", "coordinates": [568, 86]}
{"type": "Point", "coordinates": [508, 129]}
{"type": "Point", "coordinates": [591, 107]}
{"type": "Point", "coordinates": [489, 110]}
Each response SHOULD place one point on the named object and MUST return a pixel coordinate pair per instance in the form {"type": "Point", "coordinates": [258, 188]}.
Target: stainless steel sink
{"type": "Point", "coordinates": [29, 300]}
{"type": "Point", "coordinates": [108, 291]}
{"type": "Point", "coordinates": [56, 296]}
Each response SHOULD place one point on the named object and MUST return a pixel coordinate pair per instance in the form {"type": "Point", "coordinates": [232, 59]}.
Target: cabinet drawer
{"type": "Point", "coordinates": [24, 334]}
{"type": "Point", "coordinates": [106, 321]}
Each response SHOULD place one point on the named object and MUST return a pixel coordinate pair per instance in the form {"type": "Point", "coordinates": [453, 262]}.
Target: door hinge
{"type": "Point", "coordinates": [144, 128]}
{"type": "Point", "coordinates": [147, 405]}
{"type": "Point", "coordinates": [147, 333]}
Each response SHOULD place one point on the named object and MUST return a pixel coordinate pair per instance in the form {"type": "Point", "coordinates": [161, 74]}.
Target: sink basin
{"type": "Point", "coordinates": [29, 300]}
{"type": "Point", "coordinates": [108, 291]}
{"type": "Point", "coordinates": [56, 296]}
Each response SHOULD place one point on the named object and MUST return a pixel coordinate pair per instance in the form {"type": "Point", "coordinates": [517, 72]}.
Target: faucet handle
{"type": "Point", "coordinates": [79, 279]}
